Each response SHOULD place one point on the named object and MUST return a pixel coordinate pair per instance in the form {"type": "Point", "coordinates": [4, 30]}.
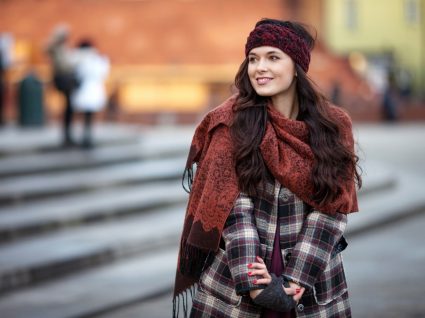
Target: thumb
{"type": "Point", "coordinates": [290, 291]}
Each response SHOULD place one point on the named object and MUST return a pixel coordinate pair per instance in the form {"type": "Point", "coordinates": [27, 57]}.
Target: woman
{"type": "Point", "coordinates": [64, 78]}
{"type": "Point", "coordinates": [275, 178]}
{"type": "Point", "coordinates": [90, 96]}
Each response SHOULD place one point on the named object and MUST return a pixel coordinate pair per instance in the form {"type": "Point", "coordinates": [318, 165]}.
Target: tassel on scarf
{"type": "Point", "coordinates": [184, 298]}
{"type": "Point", "coordinates": [193, 260]}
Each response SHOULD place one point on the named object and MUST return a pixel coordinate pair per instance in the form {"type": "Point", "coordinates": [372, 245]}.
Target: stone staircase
{"type": "Point", "coordinates": [93, 233]}
{"type": "Point", "coordinates": [73, 220]}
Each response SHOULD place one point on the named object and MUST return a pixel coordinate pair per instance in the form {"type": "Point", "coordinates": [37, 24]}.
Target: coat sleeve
{"type": "Point", "coordinates": [242, 244]}
{"type": "Point", "coordinates": [311, 254]}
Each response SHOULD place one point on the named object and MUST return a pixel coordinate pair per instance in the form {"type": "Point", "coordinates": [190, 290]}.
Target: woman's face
{"type": "Point", "coordinates": [271, 71]}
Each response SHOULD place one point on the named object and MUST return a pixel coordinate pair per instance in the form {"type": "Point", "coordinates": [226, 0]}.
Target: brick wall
{"type": "Point", "coordinates": [161, 41]}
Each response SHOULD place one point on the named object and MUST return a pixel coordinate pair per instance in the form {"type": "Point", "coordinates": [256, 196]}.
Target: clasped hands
{"type": "Point", "coordinates": [275, 296]}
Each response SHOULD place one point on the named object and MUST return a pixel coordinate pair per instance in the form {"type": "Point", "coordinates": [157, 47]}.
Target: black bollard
{"type": "Point", "coordinates": [30, 101]}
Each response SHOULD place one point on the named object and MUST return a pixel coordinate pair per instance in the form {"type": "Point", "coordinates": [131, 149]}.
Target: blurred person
{"type": "Point", "coordinates": [276, 176]}
{"type": "Point", "coordinates": [2, 88]}
{"type": "Point", "coordinates": [389, 99]}
{"type": "Point", "coordinates": [62, 58]}
{"type": "Point", "coordinates": [5, 62]}
{"type": "Point", "coordinates": [89, 97]}
{"type": "Point", "coordinates": [405, 84]}
{"type": "Point", "coordinates": [113, 105]}
{"type": "Point", "coordinates": [336, 93]}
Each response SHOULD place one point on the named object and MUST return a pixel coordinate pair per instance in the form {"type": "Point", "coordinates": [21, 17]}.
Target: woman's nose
{"type": "Point", "coordinates": [262, 65]}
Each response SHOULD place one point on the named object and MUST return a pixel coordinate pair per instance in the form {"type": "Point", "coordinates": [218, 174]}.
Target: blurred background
{"type": "Point", "coordinates": [98, 103]}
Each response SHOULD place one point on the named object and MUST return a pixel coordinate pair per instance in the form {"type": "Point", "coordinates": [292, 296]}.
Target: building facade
{"type": "Point", "coordinates": [389, 34]}
{"type": "Point", "coordinates": [166, 55]}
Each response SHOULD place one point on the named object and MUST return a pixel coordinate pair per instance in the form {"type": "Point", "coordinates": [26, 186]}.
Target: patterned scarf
{"type": "Point", "coordinates": [287, 154]}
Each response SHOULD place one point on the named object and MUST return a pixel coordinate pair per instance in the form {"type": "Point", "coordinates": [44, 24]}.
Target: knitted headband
{"type": "Point", "coordinates": [282, 38]}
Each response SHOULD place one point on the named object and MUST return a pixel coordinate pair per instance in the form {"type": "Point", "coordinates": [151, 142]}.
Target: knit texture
{"type": "Point", "coordinates": [274, 297]}
{"type": "Point", "coordinates": [282, 38]}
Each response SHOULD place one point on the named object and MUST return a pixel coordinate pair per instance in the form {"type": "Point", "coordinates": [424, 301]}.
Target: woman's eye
{"type": "Point", "coordinates": [251, 59]}
{"type": "Point", "coordinates": [274, 58]}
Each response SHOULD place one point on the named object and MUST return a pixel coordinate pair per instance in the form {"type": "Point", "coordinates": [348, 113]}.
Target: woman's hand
{"type": "Point", "coordinates": [259, 269]}
{"type": "Point", "coordinates": [299, 291]}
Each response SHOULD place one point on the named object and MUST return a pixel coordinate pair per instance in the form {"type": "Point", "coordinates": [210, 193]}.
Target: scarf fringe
{"type": "Point", "coordinates": [193, 260]}
{"type": "Point", "coordinates": [184, 298]}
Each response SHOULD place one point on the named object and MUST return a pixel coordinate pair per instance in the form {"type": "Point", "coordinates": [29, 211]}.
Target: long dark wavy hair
{"type": "Point", "coordinates": [332, 157]}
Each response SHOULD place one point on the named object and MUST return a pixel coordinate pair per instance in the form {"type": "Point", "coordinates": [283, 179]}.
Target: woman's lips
{"type": "Point", "coordinates": [263, 80]}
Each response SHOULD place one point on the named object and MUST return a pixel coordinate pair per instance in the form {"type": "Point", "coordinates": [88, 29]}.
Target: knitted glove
{"type": "Point", "coordinates": [274, 297]}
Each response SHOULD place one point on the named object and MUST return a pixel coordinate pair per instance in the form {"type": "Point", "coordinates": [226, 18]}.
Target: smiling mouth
{"type": "Point", "coordinates": [263, 80]}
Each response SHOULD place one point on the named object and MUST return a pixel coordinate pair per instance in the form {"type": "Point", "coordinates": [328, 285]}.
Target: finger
{"type": "Point", "coordinates": [289, 291]}
{"type": "Point", "coordinates": [262, 281]}
{"type": "Point", "coordinates": [259, 272]}
{"type": "Point", "coordinates": [298, 295]}
{"type": "Point", "coordinates": [256, 265]}
{"type": "Point", "coordinates": [260, 259]}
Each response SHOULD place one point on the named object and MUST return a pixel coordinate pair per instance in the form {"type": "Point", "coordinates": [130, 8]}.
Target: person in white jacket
{"type": "Point", "coordinates": [90, 96]}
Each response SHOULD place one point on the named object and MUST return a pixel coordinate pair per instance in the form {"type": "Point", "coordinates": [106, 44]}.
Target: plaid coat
{"type": "Point", "coordinates": [310, 243]}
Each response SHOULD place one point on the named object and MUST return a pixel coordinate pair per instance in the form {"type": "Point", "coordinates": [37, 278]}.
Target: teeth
{"type": "Point", "coordinates": [263, 80]}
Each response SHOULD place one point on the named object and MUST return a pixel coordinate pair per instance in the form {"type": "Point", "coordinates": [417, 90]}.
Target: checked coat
{"type": "Point", "coordinates": [310, 243]}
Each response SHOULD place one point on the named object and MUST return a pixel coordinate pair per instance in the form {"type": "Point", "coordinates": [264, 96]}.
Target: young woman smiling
{"type": "Point", "coordinates": [276, 177]}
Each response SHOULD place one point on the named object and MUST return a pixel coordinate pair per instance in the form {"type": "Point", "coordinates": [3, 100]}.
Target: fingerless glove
{"type": "Point", "coordinates": [274, 297]}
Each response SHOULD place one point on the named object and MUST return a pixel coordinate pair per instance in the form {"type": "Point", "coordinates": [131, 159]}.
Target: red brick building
{"type": "Point", "coordinates": [167, 55]}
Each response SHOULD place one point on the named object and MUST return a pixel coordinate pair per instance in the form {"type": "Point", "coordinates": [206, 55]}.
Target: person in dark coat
{"type": "Point", "coordinates": [275, 178]}
{"type": "Point", "coordinates": [63, 62]}
{"type": "Point", "coordinates": [2, 88]}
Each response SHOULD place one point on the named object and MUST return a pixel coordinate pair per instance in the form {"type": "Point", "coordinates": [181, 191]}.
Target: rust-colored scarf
{"type": "Point", "coordinates": [287, 154]}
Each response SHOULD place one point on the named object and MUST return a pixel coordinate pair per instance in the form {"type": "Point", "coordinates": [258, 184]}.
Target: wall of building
{"type": "Point", "coordinates": [379, 27]}
{"type": "Point", "coordinates": [166, 55]}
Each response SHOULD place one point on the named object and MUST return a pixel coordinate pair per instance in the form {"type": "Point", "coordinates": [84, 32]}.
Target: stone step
{"type": "Point", "coordinates": [158, 307]}
{"type": "Point", "coordinates": [68, 296]}
{"type": "Point", "coordinates": [22, 188]}
{"type": "Point", "coordinates": [30, 302]}
{"type": "Point", "coordinates": [96, 291]}
{"type": "Point", "coordinates": [15, 140]}
{"type": "Point", "coordinates": [18, 221]}
{"type": "Point", "coordinates": [405, 198]}
{"type": "Point", "coordinates": [151, 144]}
{"type": "Point", "coordinates": [376, 178]}
{"type": "Point", "coordinates": [75, 159]}
{"type": "Point", "coordinates": [49, 256]}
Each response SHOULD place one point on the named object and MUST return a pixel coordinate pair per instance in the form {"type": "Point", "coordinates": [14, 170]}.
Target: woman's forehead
{"type": "Point", "coordinates": [265, 50]}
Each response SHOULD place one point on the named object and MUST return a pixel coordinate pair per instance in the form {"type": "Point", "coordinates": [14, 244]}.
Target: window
{"type": "Point", "coordinates": [411, 11]}
{"type": "Point", "coordinates": [351, 14]}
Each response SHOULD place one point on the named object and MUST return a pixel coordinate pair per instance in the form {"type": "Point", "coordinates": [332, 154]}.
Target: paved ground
{"type": "Point", "coordinates": [385, 271]}
{"type": "Point", "coordinates": [402, 146]}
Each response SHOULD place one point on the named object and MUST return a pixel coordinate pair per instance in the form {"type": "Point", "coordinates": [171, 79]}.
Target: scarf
{"type": "Point", "coordinates": [288, 156]}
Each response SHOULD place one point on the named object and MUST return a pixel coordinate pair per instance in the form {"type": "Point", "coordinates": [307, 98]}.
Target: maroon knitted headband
{"type": "Point", "coordinates": [283, 38]}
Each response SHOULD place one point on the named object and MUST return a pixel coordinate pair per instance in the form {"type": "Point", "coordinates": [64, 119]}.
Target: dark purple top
{"type": "Point", "coordinates": [277, 269]}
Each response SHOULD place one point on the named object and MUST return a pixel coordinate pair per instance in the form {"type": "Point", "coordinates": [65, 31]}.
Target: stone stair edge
{"type": "Point", "coordinates": [10, 234]}
{"type": "Point", "coordinates": [18, 189]}
{"type": "Point", "coordinates": [131, 280]}
{"type": "Point", "coordinates": [28, 169]}
{"type": "Point", "coordinates": [52, 267]}
{"type": "Point", "coordinates": [17, 141]}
